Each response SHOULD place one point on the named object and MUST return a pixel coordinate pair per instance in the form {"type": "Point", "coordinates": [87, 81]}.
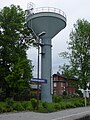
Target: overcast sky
{"type": "Point", "coordinates": [74, 9]}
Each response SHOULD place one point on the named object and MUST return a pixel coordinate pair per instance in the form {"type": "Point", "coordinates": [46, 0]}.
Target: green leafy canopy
{"type": "Point", "coordinates": [15, 39]}
{"type": "Point", "coordinates": [79, 52]}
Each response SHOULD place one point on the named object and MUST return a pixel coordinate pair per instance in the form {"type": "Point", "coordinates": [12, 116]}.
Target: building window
{"type": "Point", "coordinates": [62, 91]}
{"type": "Point", "coordinates": [54, 92]}
{"type": "Point", "coordinates": [66, 84]}
{"type": "Point", "coordinates": [61, 84]}
{"type": "Point", "coordinates": [55, 85]}
{"type": "Point", "coordinates": [54, 78]}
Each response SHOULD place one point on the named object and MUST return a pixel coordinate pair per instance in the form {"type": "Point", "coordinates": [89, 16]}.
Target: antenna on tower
{"type": "Point", "coordinates": [30, 8]}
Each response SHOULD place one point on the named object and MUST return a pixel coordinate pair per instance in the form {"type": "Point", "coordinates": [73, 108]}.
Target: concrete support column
{"type": "Point", "coordinates": [46, 69]}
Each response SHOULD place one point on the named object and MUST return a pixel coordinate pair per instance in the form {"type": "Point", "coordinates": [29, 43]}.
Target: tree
{"type": "Point", "coordinates": [15, 39]}
{"type": "Point", "coordinates": [67, 71]}
{"type": "Point", "coordinates": [79, 55]}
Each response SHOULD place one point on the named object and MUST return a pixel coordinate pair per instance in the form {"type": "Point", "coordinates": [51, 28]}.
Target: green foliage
{"type": "Point", "coordinates": [79, 92]}
{"type": "Point", "coordinates": [65, 93]}
{"type": "Point", "coordinates": [17, 106]}
{"type": "Point", "coordinates": [44, 107]}
{"type": "Point", "coordinates": [63, 105]}
{"type": "Point", "coordinates": [15, 39]}
{"type": "Point", "coordinates": [70, 105]}
{"type": "Point", "coordinates": [79, 53]}
{"type": "Point", "coordinates": [45, 104]}
{"type": "Point", "coordinates": [66, 70]}
{"type": "Point", "coordinates": [27, 105]}
{"type": "Point", "coordinates": [88, 102]}
{"type": "Point", "coordinates": [50, 107]}
{"type": "Point", "coordinates": [57, 99]}
{"type": "Point", "coordinates": [78, 104]}
{"type": "Point", "coordinates": [79, 45]}
{"type": "Point", "coordinates": [34, 103]}
{"type": "Point", "coordinates": [2, 94]}
{"type": "Point", "coordinates": [57, 106]}
{"type": "Point", "coordinates": [2, 107]}
{"type": "Point", "coordinates": [9, 104]}
{"type": "Point", "coordinates": [22, 94]}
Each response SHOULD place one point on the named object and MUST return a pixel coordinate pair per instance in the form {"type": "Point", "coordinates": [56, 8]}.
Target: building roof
{"type": "Point", "coordinates": [63, 76]}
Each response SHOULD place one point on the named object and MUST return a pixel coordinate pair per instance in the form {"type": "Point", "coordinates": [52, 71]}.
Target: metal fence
{"type": "Point", "coordinates": [48, 9]}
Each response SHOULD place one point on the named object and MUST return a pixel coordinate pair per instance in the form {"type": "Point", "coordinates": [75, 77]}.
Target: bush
{"type": "Point", "coordinates": [78, 102]}
{"type": "Point", "coordinates": [2, 107]}
{"type": "Point", "coordinates": [27, 105]}
{"type": "Point", "coordinates": [57, 99]}
{"type": "Point", "coordinates": [9, 104]}
{"type": "Point", "coordinates": [70, 105]}
{"type": "Point", "coordinates": [42, 109]}
{"type": "Point", "coordinates": [63, 105]}
{"type": "Point", "coordinates": [34, 103]}
{"type": "Point", "coordinates": [45, 104]}
{"type": "Point", "coordinates": [65, 93]}
{"type": "Point", "coordinates": [57, 106]}
{"type": "Point", "coordinates": [18, 106]}
{"type": "Point", "coordinates": [46, 107]}
{"type": "Point", "coordinates": [22, 95]}
{"type": "Point", "coordinates": [88, 102]}
{"type": "Point", "coordinates": [79, 92]}
{"type": "Point", "coordinates": [2, 94]}
{"type": "Point", "coordinates": [50, 107]}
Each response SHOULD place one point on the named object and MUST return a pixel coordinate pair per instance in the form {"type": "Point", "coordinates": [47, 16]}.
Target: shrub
{"type": "Point", "coordinates": [63, 105]}
{"type": "Point", "coordinates": [2, 94]}
{"type": "Point", "coordinates": [45, 104]}
{"type": "Point", "coordinates": [46, 107]}
{"type": "Point", "coordinates": [57, 99]}
{"type": "Point", "coordinates": [65, 93]}
{"type": "Point", "coordinates": [57, 106]}
{"type": "Point", "coordinates": [42, 109]}
{"type": "Point", "coordinates": [70, 105]}
{"type": "Point", "coordinates": [78, 103]}
{"type": "Point", "coordinates": [2, 107]}
{"type": "Point", "coordinates": [50, 107]}
{"type": "Point", "coordinates": [88, 102]}
{"type": "Point", "coordinates": [27, 105]}
{"type": "Point", "coordinates": [9, 104]}
{"type": "Point", "coordinates": [34, 103]}
{"type": "Point", "coordinates": [18, 106]}
{"type": "Point", "coordinates": [30, 108]}
{"type": "Point", "coordinates": [79, 92]}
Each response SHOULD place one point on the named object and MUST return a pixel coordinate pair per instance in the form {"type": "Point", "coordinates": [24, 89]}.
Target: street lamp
{"type": "Point", "coordinates": [38, 44]}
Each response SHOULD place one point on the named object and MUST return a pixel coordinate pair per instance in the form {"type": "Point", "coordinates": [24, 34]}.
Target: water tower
{"type": "Point", "coordinates": [51, 21]}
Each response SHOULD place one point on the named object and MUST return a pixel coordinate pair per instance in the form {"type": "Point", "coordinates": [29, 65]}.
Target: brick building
{"type": "Point", "coordinates": [61, 84]}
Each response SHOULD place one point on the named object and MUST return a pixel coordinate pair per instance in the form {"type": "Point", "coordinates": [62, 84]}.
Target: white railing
{"type": "Point", "coordinates": [48, 9]}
